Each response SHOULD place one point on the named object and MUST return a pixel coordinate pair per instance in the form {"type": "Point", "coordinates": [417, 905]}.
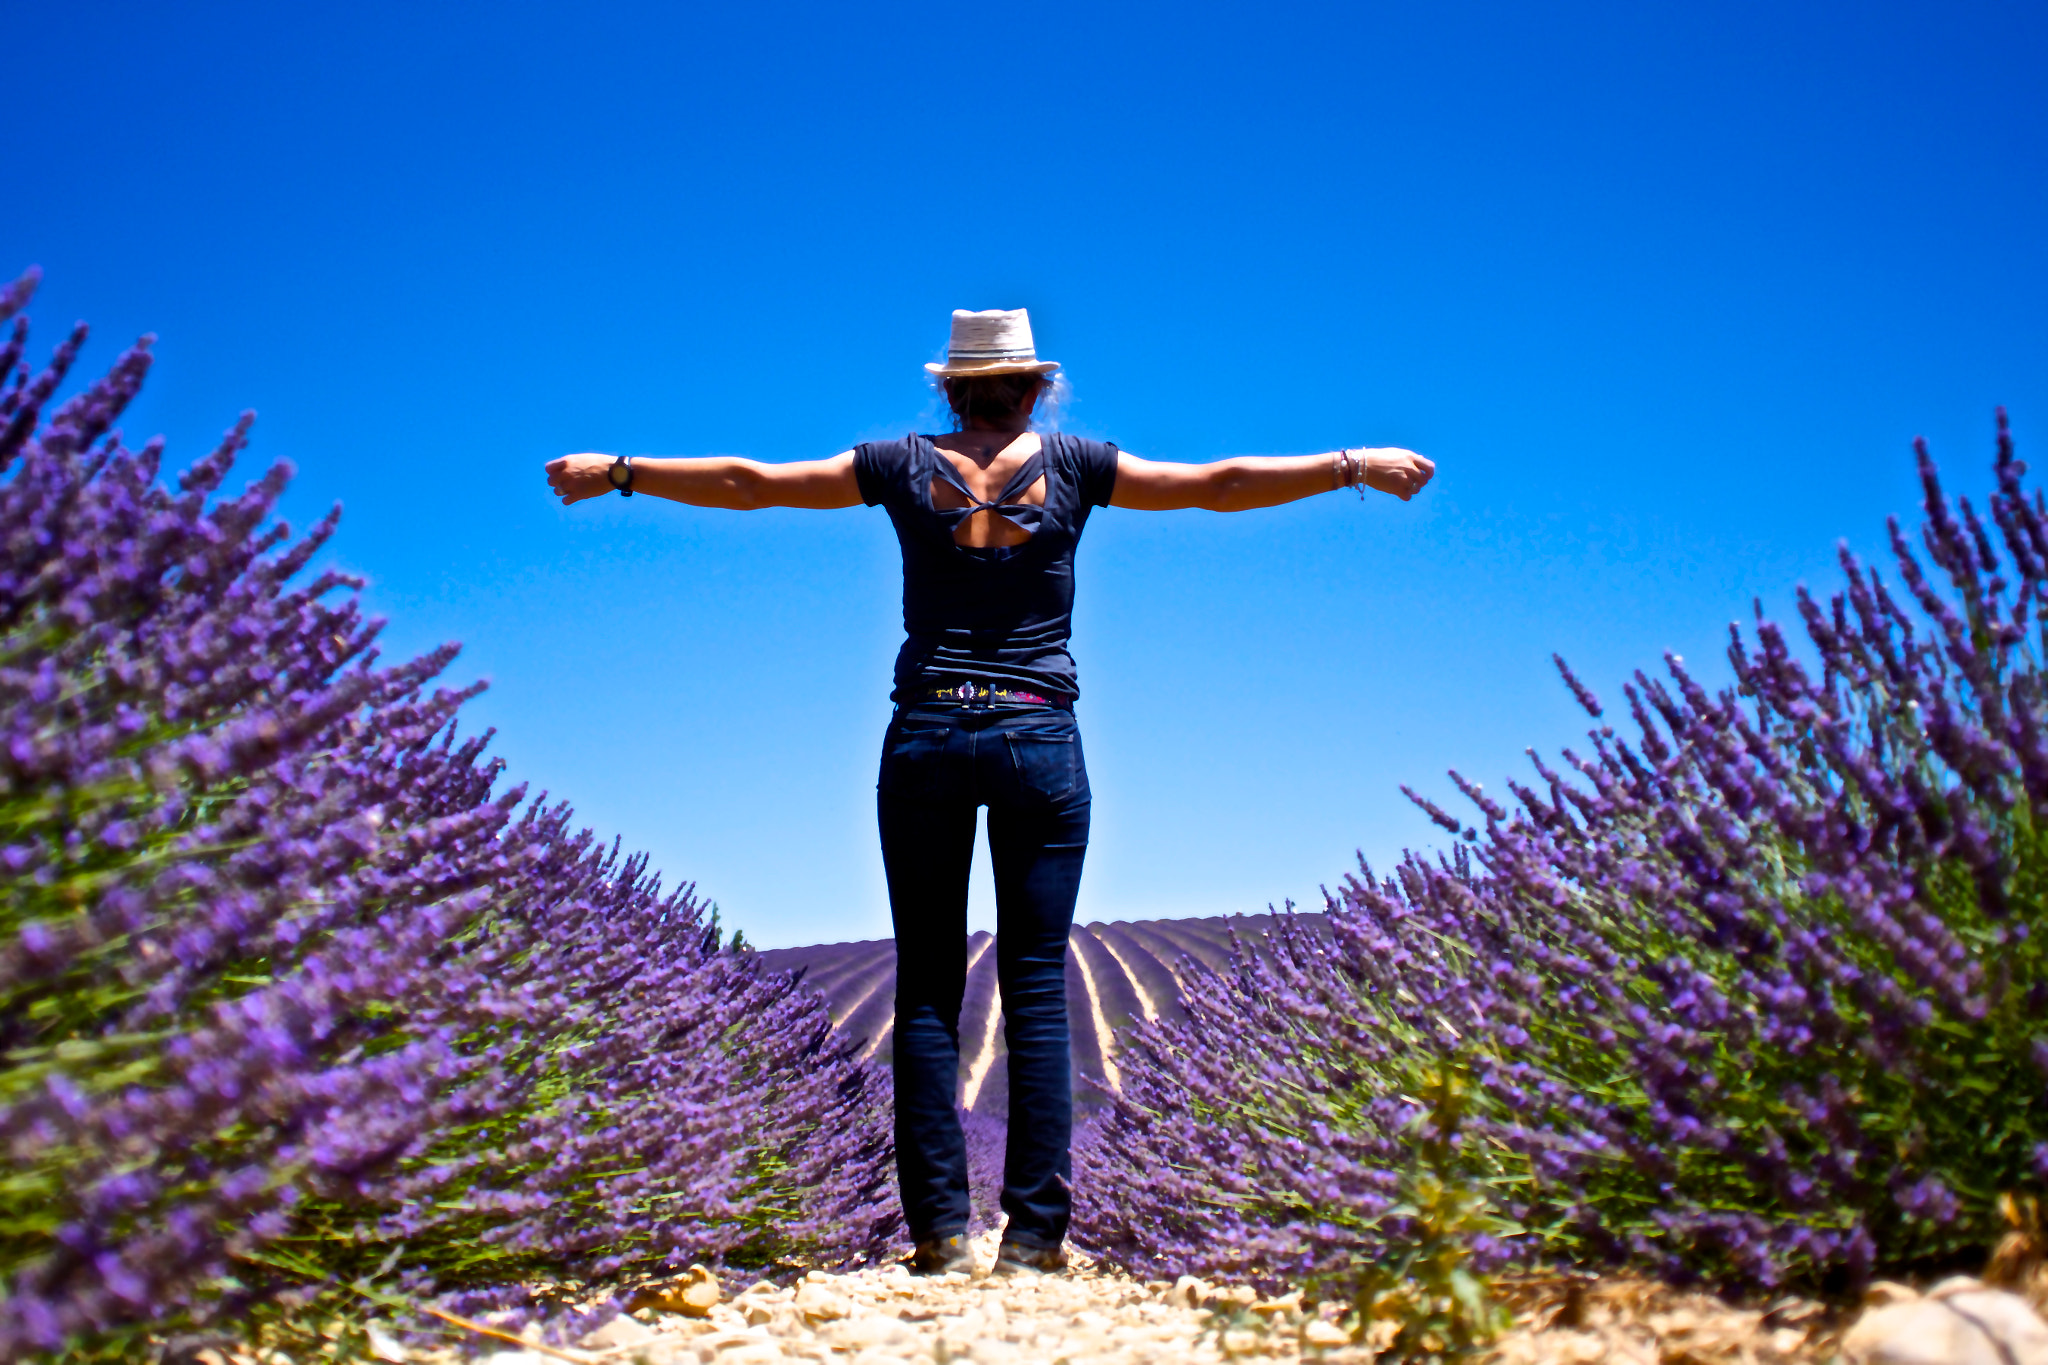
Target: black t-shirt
{"type": "Point", "coordinates": [999, 615]}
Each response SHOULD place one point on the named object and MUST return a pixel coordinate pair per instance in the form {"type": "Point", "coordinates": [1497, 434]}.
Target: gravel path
{"type": "Point", "coordinates": [1087, 1316]}
{"type": "Point", "coordinates": [1091, 1316]}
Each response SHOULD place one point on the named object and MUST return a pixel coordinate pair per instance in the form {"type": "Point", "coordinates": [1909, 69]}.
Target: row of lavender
{"type": "Point", "coordinates": [294, 1001]}
{"type": "Point", "coordinates": [1757, 994]}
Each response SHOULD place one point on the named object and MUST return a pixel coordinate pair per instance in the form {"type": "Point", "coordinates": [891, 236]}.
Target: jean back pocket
{"type": "Point", "coordinates": [1045, 758]}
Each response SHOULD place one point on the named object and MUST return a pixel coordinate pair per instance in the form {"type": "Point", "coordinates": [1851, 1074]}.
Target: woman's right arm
{"type": "Point", "coordinates": [715, 481]}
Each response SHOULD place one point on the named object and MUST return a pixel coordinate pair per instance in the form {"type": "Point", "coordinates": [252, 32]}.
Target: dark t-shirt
{"type": "Point", "coordinates": [999, 615]}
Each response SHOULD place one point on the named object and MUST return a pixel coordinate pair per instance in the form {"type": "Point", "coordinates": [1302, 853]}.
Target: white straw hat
{"type": "Point", "coordinates": [993, 341]}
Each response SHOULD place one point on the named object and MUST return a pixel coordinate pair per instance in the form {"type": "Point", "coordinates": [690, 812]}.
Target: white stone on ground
{"type": "Point", "coordinates": [1959, 1322]}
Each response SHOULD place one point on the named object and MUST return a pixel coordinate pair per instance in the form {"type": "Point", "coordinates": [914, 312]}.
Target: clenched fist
{"type": "Point", "coordinates": [576, 477]}
{"type": "Point", "coordinates": [1391, 469]}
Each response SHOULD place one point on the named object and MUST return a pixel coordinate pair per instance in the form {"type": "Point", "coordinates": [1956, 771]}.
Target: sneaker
{"type": "Point", "coordinates": [1019, 1258]}
{"type": "Point", "coordinates": [942, 1256]}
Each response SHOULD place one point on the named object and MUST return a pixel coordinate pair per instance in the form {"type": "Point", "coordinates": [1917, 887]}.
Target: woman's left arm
{"type": "Point", "coordinates": [1247, 481]}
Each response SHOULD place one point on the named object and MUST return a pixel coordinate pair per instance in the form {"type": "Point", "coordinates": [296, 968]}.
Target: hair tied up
{"type": "Point", "coordinates": [994, 398]}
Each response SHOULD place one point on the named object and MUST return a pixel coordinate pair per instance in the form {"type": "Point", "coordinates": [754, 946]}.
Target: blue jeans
{"type": "Point", "coordinates": [940, 762]}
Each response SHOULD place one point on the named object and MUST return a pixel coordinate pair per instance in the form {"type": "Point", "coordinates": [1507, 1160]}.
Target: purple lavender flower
{"type": "Point", "coordinates": [1753, 995]}
{"type": "Point", "coordinates": [290, 984]}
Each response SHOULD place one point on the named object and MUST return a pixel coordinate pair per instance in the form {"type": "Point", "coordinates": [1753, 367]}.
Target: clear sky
{"type": "Point", "coordinates": [1666, 290]}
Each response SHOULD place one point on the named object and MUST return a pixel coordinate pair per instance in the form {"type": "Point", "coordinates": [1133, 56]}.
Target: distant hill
{"type": "Point", "coordinates": [1116, 973]}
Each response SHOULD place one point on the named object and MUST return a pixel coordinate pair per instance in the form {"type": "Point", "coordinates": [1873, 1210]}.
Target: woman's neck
{"type": "Point", "coordinates": [983, 441]}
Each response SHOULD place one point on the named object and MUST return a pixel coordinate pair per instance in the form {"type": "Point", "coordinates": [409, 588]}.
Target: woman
{"type": "Point", "coordinates": [988, 517]}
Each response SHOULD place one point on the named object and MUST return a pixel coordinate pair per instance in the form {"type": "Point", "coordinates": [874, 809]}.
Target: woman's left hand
{"type": "Point", "coordinates": [576, 477]}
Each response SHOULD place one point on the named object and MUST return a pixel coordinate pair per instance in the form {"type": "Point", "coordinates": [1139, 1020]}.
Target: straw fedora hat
{"type": "Point", "coordinates": [993, 341]}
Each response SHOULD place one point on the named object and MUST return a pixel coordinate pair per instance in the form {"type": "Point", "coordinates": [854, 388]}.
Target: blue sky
{"type": "Point", "coordinates": [1665, 290]}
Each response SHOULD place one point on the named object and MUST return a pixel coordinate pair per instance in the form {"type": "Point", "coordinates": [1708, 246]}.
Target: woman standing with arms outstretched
{"type": "Point", "coordinates": [988, 517]}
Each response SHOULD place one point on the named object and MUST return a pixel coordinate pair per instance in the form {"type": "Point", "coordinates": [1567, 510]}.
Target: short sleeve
{"type": "Point", "coordinates": [878, 467]}
{"type": "Point", "coordinates": [1095, 463]}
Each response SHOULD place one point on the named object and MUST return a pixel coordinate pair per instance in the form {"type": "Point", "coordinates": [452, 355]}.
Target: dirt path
{"type": "Point", "coordinates": [1091, 1316]}
{"type": "Point", "coordinates": [886, 1316]}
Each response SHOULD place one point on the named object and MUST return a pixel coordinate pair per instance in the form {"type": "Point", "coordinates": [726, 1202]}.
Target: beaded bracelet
{"type": "Point", "coordinates": [1354, 473]}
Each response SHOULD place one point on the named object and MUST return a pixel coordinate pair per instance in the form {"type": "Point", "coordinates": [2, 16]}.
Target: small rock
{"type": "Point", "coordinates": [1786, 1341]}
{"type": "Point", "coordinates": [752, 1353]}
{"type": "Point", "coordinates": [1585, 1348]}
{"type": "Point", "coordinates": [818, 1303]}
{"type": "Point", "coordinates": [860, 1333]}
{"type": "Point", "coordinates": [383, 1347]}
{"type": "Point", "coordinates": [1188, 1292]}
{"type": "Point", "coordinates": [1286, 1303]}
{"type": "Point", "coordinates": [1237, 1296]}
{"type": "Point", "coordinates": [621, 1331]}
{"type": "Point", "coordinates": [1882, 1292]}
{"type": "Point", "coordinates": [1792, 1311]}
{"type": "Point", "coordinates": [1240, 1342]}
{"type": "Point", "coordinates": [693, 1294]}
{"type": "Point", "coordinates": [2009, 1320]}
{"type": "Point", "coordinates": [733, 1348]}
{"type": "Point", "coordinates": [1965, 1325]}
{"type": "Point", "coordinates": [1322, 1332]}
{"type": "Point", "coordinates": [668, 1351]}
{"type": "Point", "coordinates": [1679, 1322]}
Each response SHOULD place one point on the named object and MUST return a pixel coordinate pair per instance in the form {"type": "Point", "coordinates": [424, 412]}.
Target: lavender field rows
{"type": "Point", "coordinates": [1117, 975]}
{"type": "Point", "coordinates": [310, 1016]}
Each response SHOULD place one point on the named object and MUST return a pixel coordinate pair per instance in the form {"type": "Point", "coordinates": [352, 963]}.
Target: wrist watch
{"type": "Point", "coordinates": [621, 475]}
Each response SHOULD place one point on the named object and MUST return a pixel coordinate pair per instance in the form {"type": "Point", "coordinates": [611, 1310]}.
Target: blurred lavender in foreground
{"type": "Point", "coordinates": [1759, 996]}
{"type": "Point", "coordinates": [289, 995]}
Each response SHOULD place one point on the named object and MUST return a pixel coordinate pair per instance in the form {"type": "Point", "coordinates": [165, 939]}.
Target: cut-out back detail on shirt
{"type": "Point", "coordinates": [1025, 516]}
{"type": "Point", "coordinates": [996, 616]}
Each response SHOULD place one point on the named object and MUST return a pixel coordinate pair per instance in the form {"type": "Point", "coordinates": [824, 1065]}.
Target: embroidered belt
{"type": "Point", "coordinates": [986, 693]}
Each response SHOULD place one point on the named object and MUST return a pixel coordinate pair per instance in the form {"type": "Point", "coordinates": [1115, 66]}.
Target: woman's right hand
{"type": "Point", "coordinates": [576, 477]}
{"type": "Point", "coordinates": [1391, 469]}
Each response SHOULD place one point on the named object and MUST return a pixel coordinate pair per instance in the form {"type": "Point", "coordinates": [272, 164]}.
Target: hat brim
{"type": "Point", "coordinates": [951, 370]}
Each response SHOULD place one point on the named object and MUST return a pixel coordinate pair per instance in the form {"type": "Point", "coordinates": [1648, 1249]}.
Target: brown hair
{"type": "Point", "coordinates": [990, 397]}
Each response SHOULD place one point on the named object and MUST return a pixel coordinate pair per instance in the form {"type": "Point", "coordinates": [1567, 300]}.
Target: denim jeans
{"type": "Point", "coordinates": [940, 762]}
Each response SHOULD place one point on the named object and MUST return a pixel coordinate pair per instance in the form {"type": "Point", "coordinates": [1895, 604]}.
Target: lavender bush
{"type": "Point", "coordinates": [1263, 1134]}
{"type": "Point", "coordinates": [1758, 995]}
{"type": "Point", "coordinates": [290, 992]}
